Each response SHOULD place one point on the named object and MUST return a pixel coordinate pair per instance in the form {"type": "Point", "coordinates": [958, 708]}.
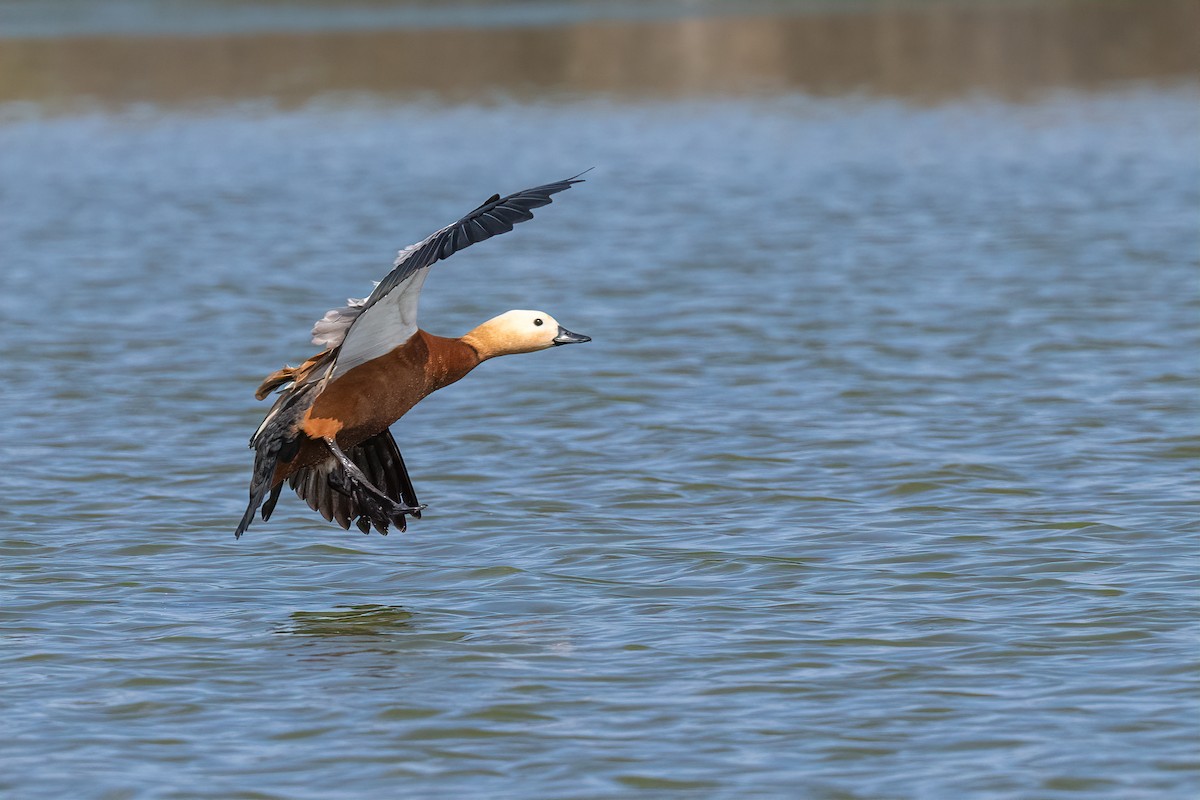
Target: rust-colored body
{"type": "Point", "coordinates": [327, 433]}
{"type": "Point", "coordinates": [369, 398]}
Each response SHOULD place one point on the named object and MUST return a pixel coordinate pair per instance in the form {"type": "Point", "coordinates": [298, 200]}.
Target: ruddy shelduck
{"type": "Point", "coordinates": [328, 433]}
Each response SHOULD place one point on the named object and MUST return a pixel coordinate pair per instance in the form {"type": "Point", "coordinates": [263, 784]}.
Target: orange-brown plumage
{"type": "Point", "coordinates": [368, 399]}
{"type": "Point", "coordinates": [328, 435]}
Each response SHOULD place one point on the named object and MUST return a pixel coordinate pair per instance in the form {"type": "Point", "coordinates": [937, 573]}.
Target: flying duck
{"type": "Point", "coordinates": [327, 433]}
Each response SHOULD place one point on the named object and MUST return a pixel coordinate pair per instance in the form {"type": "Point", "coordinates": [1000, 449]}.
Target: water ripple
{"type": "Point", "coordinates": [877, 479]}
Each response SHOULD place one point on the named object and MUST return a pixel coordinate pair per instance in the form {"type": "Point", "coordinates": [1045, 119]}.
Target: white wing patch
{"type": "Point", "coordinates": [363, 330]}
{"type": "Point", "coordinates": [330, 330]}
{"type": "Point", "coordinates": [388, 323]}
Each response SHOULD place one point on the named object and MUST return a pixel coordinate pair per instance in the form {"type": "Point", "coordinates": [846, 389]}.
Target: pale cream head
{"type": "Point", "coordinates": [520, 332]}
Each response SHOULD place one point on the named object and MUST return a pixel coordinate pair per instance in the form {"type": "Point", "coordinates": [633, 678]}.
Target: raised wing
{"type": "Point", "coordinates": [367, 329]}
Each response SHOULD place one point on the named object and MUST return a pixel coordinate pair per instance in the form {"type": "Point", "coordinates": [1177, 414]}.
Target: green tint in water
{"type": "Point", "coordinates": [364, 620]}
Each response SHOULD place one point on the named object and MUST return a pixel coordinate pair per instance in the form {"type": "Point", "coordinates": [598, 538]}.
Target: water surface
{"type": "Point", "coordinates": [877, 480]}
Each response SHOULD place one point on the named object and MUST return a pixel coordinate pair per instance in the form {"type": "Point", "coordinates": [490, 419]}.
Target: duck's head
{"type": "Point", "coordinates": [520, 332]}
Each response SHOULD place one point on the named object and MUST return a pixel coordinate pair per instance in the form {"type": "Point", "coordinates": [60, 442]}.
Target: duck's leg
{"type": "Point", "coordinates": [376, 505]}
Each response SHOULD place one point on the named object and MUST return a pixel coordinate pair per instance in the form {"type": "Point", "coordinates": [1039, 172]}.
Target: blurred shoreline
{"type": "Point", "coordinates": [926, 52]}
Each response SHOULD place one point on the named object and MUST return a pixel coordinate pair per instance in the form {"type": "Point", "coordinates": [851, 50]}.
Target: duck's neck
{"type": "Point", "coordinates": [449, 360]}
{"type": "Point", "coordinates": [485, 341]}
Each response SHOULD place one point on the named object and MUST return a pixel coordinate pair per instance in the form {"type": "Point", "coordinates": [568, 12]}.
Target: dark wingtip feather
{"type": "Point", "coordinates": [487, 202]}
{"type": "Point", "coordinates": [380, 460]}
{"type": "Point", "coordinates": [496, 216]}
{"type": "Point", "coordinates": [247, 518]}
{"type": "Point", "coordinates": [269, 506]}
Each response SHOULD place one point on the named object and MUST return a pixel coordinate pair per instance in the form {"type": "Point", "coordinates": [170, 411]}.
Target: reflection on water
{"type": "Point", "coordinates": [926, 51]}
{"type": "Point", "coordinates": [358, 620]}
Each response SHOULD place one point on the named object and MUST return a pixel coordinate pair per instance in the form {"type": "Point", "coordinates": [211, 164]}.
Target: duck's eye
{"type": "Point", "coordinates": [537, 321]}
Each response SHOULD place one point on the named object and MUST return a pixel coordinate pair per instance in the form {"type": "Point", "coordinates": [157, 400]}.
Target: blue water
{"type": "Point", "coordinates": [877, 480]}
